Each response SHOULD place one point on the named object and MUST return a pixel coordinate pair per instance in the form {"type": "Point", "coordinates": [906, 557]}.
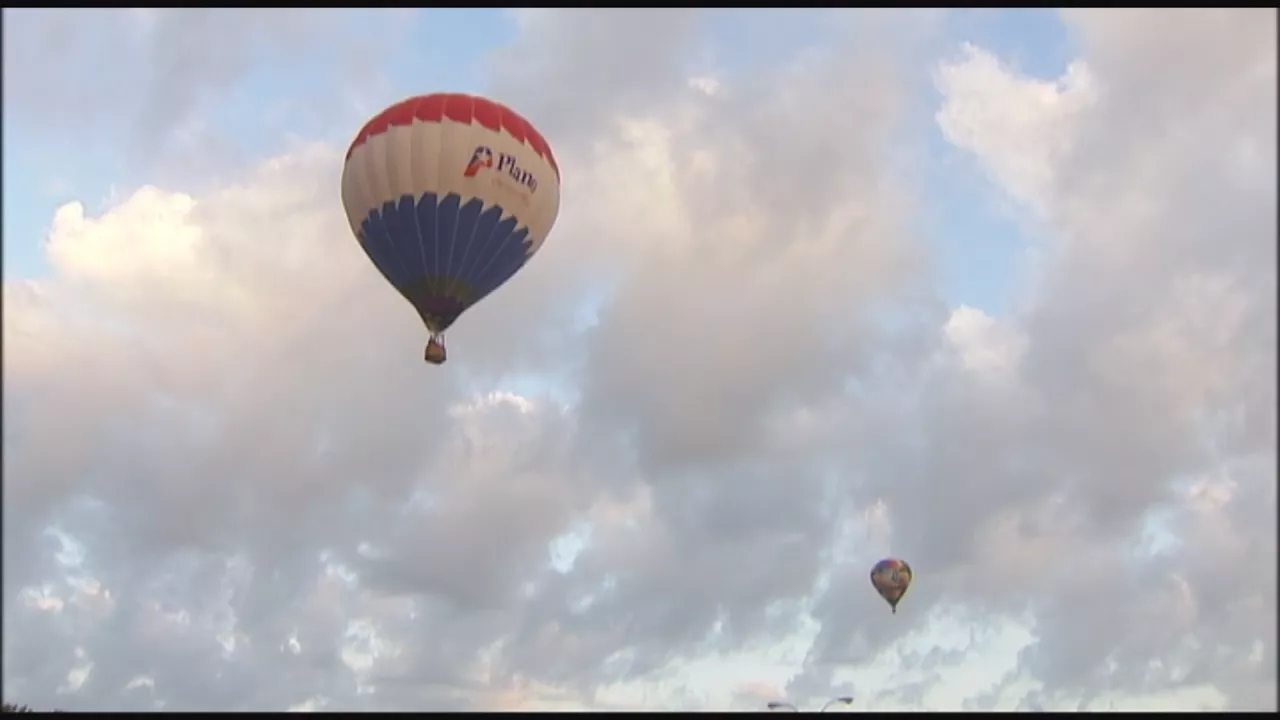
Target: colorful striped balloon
{"type": "Point", "coordinates": [891, 577]}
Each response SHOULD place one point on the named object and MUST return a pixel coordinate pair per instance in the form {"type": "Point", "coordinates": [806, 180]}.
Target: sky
{"type": "Point", "coordinates": [993, 291]}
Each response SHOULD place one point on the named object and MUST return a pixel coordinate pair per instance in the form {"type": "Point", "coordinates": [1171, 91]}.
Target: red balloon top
{"type": "Point", "coordinates": [460, 108]}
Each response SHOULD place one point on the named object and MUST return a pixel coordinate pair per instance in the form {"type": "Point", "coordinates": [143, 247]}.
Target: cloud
{"type": "Point", "coordinates": [181, 80]}
{"type": "Point", "coordinates": [1149, 347]}
{"type": "Point", "coordinates": [678, 438]}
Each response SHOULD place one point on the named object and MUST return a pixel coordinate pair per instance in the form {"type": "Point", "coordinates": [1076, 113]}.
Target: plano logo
{"type": "Point", "coordinates": [483, 159]}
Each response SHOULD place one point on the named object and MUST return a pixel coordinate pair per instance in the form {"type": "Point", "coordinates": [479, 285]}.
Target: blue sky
{"type": "Point", "coordinates": [39, 176]}
{"type": "Point", "coordinates": [978, 243]}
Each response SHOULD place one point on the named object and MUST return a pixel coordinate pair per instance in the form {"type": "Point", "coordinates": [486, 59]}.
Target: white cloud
{"type": "Point", "coordinates": [1019, 127]}
{"type": "Point", "coordinates": [264, 500]}
{"type": "Point", "coordinates": [980, 342]}
{"type": "Point", "coordinates": [1160, 260]}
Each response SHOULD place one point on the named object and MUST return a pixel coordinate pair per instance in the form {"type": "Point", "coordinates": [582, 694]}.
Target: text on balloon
{"type": "Point", "coordinates": [483, 159]}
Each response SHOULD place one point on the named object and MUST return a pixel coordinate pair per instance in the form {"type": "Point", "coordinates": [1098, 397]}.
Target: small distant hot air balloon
{"type": "Point", "coordinates": [449, 196]}
{"type": "Point", "coordinates": [891, 577]}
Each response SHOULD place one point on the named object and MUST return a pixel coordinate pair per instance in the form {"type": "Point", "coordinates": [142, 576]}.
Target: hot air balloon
{"type": "Point", "coordinates": [891, 577]}
{"type": "Point", "coordinates": [449, 195]}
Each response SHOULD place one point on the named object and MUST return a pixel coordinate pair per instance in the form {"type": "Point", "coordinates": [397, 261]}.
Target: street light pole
{"type": "Point", "coordinates": [782, 706]}
{"type": "Point", "coordinates": [845, 700]}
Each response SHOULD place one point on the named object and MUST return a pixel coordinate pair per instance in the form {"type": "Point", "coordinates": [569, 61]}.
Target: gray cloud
{"type": "Point", "coordinates": [166, 82]}
{"type": "Point", "coordinates": [1149, 355]}
{"type": "Point", "coordinates": [278, 506]}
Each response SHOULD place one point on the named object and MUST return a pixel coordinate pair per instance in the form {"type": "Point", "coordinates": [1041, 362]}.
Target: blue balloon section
{"type": "Point", "coordinates": [443, 254]}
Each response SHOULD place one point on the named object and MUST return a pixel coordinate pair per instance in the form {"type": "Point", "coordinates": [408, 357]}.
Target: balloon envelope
{"type": "Point", "coordinates": [449, 195]}
{"type": "Point", "coordinates": [891, 577]}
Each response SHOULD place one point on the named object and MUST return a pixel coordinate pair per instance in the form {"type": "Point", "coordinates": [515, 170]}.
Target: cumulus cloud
{"type": "Point", "coordinates": [666, 453]}
{"type": "Point", "coordinates": [1149, 359]}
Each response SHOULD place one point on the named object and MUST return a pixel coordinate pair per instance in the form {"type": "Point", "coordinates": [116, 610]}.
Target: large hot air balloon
{"type": "Point", "coordinates": [891, 577]}
{"type": "Point", "coordinates": [449, 195]}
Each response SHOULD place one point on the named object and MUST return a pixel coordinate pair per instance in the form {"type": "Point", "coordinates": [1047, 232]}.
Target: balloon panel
{"type": "Point", "coordinates": [449, 195]}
